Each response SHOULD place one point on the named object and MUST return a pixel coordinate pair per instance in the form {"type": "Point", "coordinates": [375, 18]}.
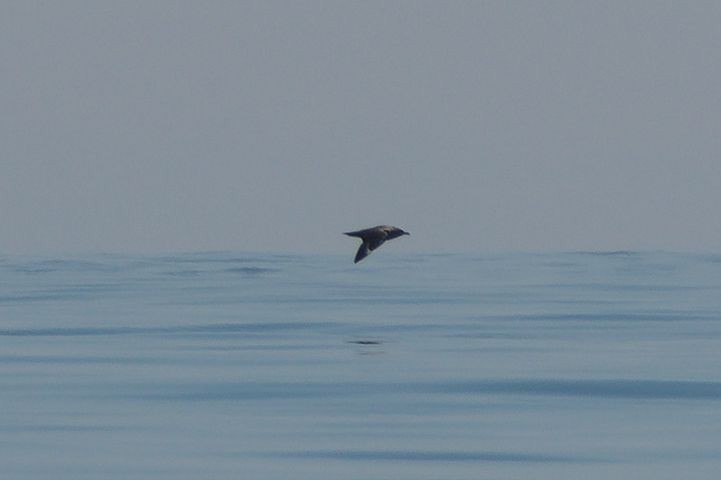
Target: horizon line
{"type": "Point", "coordinates": [606, 252]}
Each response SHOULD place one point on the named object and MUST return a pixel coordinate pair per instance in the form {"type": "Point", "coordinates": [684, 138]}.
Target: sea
{"type": "Point", "coordinates": [224, 365]}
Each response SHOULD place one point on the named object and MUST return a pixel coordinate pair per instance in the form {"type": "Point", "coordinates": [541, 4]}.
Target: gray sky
{"type": "Point", "coordinates": [477, 126]}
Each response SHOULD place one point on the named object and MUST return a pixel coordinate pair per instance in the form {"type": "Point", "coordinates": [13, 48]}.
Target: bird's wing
{"type": "Point", "coordinates": [360, 233]}
{"type": "Point", "coordinates": [362, 252]}
{"type": "Point", "coordinates": [372, 239]}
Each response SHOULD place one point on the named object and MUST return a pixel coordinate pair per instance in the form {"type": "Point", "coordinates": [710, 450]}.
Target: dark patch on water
{"type": "Point", "coordinates": [607, 253]}
{"type": "Point", "coordinates": [622, 287]}
{"type": "Point", "coordinates": [61, 429]}
{"type": "Point", "coordinates": [247, 391]}
{"type": "Point", "coordinates": [250, 270]}
{"type": "Point", "coordinates": [610, 389]}
{"type": "Point", "coordinates": [40, 297]}
{"type": "Point", "coordinates": [65, 293]}
{"type": "Point", "coordinates": [33, 269]}
{"type": "Point", "coordinates": [600, 318]}
{"type": "Point", "coordinates": [84, 359]}
{"type": "Point", "coordinates": [431, 456]}
{"type": "Point", "coordinates": [604, 389]}
{"type": "Point", "coordinates": [222, 258]}
{"type": "Point", "coordinates": [59, 265]}
{"type": "Point", "coordinates": [172, 329]}
{"type": "Point", "coordinates": [184, 273]}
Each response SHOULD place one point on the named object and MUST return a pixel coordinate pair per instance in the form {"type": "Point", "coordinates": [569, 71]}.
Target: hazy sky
{"type": "Point", "coordinates": [477, 126]}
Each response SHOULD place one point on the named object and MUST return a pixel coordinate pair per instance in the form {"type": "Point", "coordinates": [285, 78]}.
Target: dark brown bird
{"type": "Point", "coordinates": [374, 238]}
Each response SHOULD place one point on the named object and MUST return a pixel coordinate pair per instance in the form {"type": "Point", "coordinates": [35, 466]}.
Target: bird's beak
{"type": "Point", "coordinates": [406, 233]}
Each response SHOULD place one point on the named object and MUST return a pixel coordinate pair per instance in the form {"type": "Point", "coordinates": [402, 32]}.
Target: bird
{"type": "Point", "coordinates": [373, 238]}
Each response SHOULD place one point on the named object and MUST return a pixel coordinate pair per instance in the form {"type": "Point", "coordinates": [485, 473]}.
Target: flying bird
{"type": "Point", "coordinates": [374, 238]}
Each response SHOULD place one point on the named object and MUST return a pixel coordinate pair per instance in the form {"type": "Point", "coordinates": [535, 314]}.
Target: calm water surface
{"type": "Point", "coordinates": [227, 366]}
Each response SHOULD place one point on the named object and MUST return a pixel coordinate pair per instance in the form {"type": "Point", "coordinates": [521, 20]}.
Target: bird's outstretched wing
{"type": "Point", "coordinates": [362, 252]}
{"type": "Point", "coordinates": [360, 233]}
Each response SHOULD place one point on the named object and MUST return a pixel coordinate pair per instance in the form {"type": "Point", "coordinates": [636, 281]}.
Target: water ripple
{"type": "Point", "coordinates": [631, 389]}
{"type": "Point", "coordinates": [432, 456]}
{"type": "Point", "coordinates": [171, 329]}
{"type": "Point", "coordinates": [603, 389]}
